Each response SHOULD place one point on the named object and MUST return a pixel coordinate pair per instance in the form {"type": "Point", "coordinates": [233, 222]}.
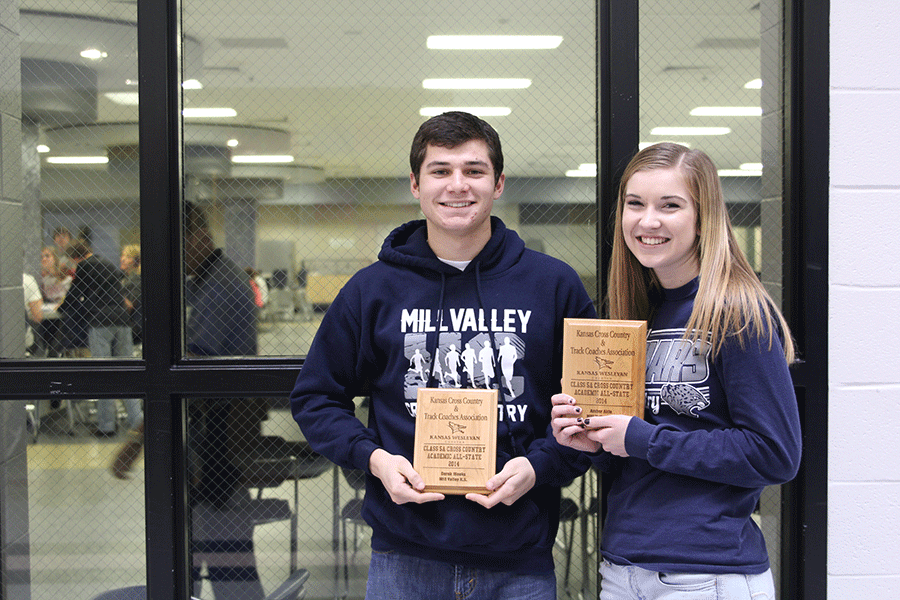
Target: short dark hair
{"type": "Point", "coordinates": [78, 250]}
{"type": "Point", "coordinates": [194, 218]}
{"type": "Point", "coordinates": [452, 129]}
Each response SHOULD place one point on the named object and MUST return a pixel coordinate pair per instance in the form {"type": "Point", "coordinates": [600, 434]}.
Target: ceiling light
{"type": "Point", "coordinates": [77, 160]}
{"type": "Point", "coordinates": [727, 111]}
{"type": "Point", "coordinates": [493, 42]}
{"type": "Point", "coordinates": [751, 167]}
{"type": "Point", "coordinates": [93, 54]}
{"type": "Point", "coordinates": [739, 173]}
{"type": "Point", "coordinates": [209, 112]}
{"type": "Point", "coordinates": [43, 148]}
{"type": "Point", "coordinates": [232, 143]}
{"type": "Point", "coordinates": [476, 84]}
{"type": "Point", "coordinates": [262, 159]}
{"type": "Point", "coordinates": [753, 84]}
{"type": "Point", "coordinates": [123, 98]}
{"type": "Point", "coordinates": [677, 131]}
{"type": "Point", "coordinates": [191, 84]}
{"type": "Point", "coordinates": [583, 170]}
{"type": "Point", "coordinates": [478, 111]}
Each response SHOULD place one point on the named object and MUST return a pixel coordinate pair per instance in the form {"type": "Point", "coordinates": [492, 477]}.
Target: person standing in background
{"type": "Point", "coordinates": [96, 296]}
{"type": "Point", "coordinates": [130, 263]}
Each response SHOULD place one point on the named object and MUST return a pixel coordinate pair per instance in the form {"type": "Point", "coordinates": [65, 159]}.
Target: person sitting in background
{"type": "Point", "coordinates": [33, 312]}
{"type": "Point", "coordinates": [130, 263]}
{"type": "Point", "coordinates": [54, 284]}
{"type": "Point", "coordinates": [63, 238]}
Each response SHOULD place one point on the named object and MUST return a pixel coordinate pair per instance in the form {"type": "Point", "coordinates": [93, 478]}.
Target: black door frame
{"type": "Point", "coordinates": [805, 237]}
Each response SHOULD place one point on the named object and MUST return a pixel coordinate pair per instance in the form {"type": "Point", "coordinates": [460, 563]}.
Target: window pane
{"type": "Point", "coordinates": [310, 172]}
{"type": "Point", "coordinates": [85, 527]}
{"type": "Point", "coordinates": [335, 92]}
{"type": "Point", "coordinates": [700, 65]}
{"type": "Point", "coordinates": [79, 184]}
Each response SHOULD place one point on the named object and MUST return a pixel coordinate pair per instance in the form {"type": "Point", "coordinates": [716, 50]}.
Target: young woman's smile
{"type": "Point", "coordinates": [659, 222]}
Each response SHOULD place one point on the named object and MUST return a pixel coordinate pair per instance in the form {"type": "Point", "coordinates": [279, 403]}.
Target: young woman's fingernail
{"type": "Point", "coordinates": [587, 421]}
{"type": "Point", "coordinates": [577, 410]}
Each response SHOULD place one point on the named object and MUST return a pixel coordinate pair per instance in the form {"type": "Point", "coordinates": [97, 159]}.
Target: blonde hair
{"type": "Point", "coordinates": [731, 300]}
{"type": "Point", "coordinates": [133, 251]}
{"type": "Point", "coordinates": [52, 252]}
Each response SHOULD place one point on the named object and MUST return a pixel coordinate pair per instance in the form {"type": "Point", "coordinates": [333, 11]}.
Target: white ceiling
{"type": "Point", "coordinates": [340, 82]}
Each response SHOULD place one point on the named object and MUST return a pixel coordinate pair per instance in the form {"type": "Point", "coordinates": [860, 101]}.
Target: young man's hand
{"type": "Point", "coordinates": [399, 478]}
{"type": "Point", "coordinates": [507, 486]}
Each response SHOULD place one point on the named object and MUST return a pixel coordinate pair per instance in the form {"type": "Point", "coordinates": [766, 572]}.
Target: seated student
{"type": "Point", "coordinates": [33, 313]}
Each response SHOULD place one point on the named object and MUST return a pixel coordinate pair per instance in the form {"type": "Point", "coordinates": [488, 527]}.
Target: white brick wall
{"type": "Point", "coordinates": [864, 302]}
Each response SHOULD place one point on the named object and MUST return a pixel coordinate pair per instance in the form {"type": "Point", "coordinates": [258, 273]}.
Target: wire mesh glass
{"type": "Point", "coordinates": [712, 78]}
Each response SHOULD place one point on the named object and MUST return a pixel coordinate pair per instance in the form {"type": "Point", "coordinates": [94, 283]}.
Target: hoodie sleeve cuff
{"type": "Point", "coordinates": [361, 453]}
{"type": "Point", "coordinates": [637, 438]}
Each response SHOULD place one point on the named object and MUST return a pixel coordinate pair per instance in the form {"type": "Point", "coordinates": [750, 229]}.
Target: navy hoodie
{"type": "Point", "coordinates": [717, 430]}
{"type": "Point", "coordinates": [411, 321]}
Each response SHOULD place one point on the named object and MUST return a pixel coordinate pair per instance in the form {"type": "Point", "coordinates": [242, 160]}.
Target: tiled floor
{"type": "Point", "coordinates": [87, 528]}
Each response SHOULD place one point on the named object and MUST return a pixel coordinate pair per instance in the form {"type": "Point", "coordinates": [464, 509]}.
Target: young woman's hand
{"type": "Point", "coordinates": [567, 424]}
{"type": "Point", "coordinates": [609, 431]}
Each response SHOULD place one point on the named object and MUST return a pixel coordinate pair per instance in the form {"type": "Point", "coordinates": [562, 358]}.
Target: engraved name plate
{"type": "Point", "coordinates": [604, 365]}
{"type": "Point", "coordinates": [456, 439]}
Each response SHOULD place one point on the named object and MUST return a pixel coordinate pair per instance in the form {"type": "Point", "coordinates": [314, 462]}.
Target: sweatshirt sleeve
{"type": "Point", "coordinates": [762, 443]}
{"type": "Point", "coordinates": [555, 464]}
{"type": "Point", "coordinates": [322, 398]}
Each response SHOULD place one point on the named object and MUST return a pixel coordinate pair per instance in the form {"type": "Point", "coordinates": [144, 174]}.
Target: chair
{"type": "Point", "coordinates": [348, 515]}
{"type": "Point", "coordinates": [581, 512]}
{"type": "Point", "coordinates": [275, 462]}
{"type": "Point", "coordinates": [294, 588]}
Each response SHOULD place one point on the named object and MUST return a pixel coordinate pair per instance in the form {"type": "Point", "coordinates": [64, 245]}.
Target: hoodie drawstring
{"type": "Point", "coordinates": [435, 347]}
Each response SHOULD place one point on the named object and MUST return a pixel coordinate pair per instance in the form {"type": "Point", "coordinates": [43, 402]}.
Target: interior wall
{"type": "Point", "coordinates": [864, 283]}
{"type": "Point", "coordinates": [14, 554]}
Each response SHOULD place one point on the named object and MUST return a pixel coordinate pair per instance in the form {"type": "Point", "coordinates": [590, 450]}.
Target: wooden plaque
{"type": "Point", "coordinates": [604, 365]}
{"type": "Point", "coordinates": [456, 439]}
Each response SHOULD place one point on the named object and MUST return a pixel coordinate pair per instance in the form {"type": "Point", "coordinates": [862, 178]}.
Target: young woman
{"type": "Point", "coordinates": [721, 419]}
{"type": "Point", "coordinates": [130, 263]}
{"type": "Point", "coordinates": [54, 282]}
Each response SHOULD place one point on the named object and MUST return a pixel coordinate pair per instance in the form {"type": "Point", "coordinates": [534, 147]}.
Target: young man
{"type": "Point", "coordinates": [458, 279]}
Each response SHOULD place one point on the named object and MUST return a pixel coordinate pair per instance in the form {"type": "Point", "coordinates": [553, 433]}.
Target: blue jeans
{"type": "Point", "coordinates": [393, 575]}
{"type": "Point", "coordinates": [108, 342]}
{"type": "Point", "coordinates": [621, 583]}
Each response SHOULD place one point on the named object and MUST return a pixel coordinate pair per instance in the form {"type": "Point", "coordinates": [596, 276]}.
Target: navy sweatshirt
{"type": "Point", "coordinates": [411, 321]}
{"type": "Point", "coordinates": [716, 431]}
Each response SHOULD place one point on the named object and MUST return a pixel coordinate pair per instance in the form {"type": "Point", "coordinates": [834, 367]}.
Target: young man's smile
{"type": "Point", "coordinates": [456, 189]}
